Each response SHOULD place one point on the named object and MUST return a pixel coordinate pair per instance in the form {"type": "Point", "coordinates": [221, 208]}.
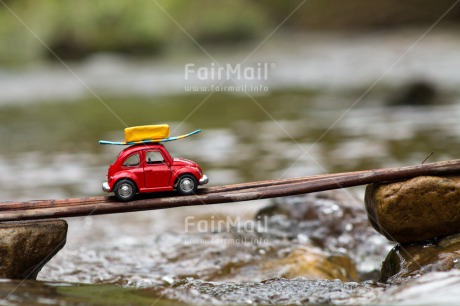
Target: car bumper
{"type": "Point", "coordinates": [203, 180]}
{"type": "Point", "coordinates": [105, 187]}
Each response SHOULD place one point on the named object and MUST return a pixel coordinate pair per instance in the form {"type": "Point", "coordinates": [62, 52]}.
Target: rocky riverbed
{"type": "Point", "coordinates": [314, 249]}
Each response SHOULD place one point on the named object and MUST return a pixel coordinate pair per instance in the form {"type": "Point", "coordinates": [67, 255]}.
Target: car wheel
{"type": "Point", "coordinates": [187, 184]}
{"type": "Point", "coordinates": [125, 190]}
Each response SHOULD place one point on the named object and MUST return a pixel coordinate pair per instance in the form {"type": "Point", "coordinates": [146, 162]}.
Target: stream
{"type": "Point", "coordinates": [324, 112]}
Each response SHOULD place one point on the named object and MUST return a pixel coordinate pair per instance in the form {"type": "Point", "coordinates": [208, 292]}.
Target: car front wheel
{"type": "Point", "coordinates": [187, 184]}
{"type": "Point", "coordinates": [125, 190]}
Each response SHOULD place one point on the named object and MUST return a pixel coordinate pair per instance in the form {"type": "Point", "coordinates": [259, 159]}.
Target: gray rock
{"type": "Point", "coordinates": [418, 209]}
{"type": "Point", "coordinates": [26, 246]}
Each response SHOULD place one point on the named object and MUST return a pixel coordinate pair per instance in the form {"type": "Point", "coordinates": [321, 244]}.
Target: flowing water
{"type": "Point", "coordinates": [318, 117]}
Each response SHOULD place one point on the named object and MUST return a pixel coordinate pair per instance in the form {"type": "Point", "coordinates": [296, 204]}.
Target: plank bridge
{"type": "Point", "coordinates": [46, 209]}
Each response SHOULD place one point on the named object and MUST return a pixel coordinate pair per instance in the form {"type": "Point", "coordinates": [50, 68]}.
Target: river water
{"type": "Point", "coordinates": [326, 110]}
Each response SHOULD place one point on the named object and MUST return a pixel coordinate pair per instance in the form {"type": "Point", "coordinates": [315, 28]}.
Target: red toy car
{"type": "Point", "coordinates": [149, 167]}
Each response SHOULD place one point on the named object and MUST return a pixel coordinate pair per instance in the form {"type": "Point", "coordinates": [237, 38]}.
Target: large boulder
{"type": "Point", "coordinates": [26, 246]}
{"type": "Point", "coordinates": [418, 209]}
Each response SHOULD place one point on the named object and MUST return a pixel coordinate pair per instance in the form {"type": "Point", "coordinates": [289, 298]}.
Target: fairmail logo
{"type": "Point", "coordinates": [228, 72]}
{"type": "Point", "coordinates": [227, 224]}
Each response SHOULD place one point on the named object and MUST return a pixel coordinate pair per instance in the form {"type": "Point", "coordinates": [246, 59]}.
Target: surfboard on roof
{"type": "Point", "coordinates": [147, 134]}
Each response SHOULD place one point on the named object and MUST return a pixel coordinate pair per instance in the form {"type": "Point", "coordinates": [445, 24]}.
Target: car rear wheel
{"type": "Point", "coordinates": [125, 190]}
{"type": "Point", "coordinates": [187, 184]}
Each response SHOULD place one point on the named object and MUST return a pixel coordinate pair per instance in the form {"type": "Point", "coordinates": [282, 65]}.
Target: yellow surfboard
{"type": "Point", "coordinates": [147, 134]}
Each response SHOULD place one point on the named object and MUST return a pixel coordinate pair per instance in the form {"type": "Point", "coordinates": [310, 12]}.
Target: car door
{"type": "Point", "coordinates": [132, 164]}
{"type": "Point", "coordinates": [157, 171]}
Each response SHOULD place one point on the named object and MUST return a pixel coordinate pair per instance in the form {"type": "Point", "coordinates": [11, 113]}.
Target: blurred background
{"type": "Point", "coordinates": [342, 87]}
{"type": "Point", "coordinates": [348, 86]}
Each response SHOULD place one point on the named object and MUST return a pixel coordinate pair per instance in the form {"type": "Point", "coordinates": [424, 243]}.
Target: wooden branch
{"type": "Point", "coordinates": [13, 211]}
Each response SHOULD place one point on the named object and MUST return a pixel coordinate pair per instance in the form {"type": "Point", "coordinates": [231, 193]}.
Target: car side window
{"type": "Point", "coordinates": [133, 160]}
{"type": "Point", "coordinates": [154, 157]}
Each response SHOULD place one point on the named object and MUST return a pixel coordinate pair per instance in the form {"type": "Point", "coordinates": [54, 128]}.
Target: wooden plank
{"type": "Point", "coordinates": [13, 211]}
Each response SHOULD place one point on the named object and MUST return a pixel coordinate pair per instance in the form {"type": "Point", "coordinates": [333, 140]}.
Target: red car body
{"type": "Point", "coordinates": [145, 168]}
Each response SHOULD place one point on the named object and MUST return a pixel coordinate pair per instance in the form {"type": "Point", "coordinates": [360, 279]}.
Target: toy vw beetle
{"type": "Point", "coordinates": [146, 166]}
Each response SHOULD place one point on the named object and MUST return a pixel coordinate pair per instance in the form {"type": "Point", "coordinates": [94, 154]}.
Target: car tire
{"type": "Point", "coordinates": [187, 184]}
{"type": "Point", "coordinates": [125, 190]}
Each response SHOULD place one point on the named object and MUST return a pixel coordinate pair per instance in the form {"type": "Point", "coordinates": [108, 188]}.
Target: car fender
{"type": "Point", "coordinates": [181, 171]}
{"type": "Point", "coordinates": [123, 175]}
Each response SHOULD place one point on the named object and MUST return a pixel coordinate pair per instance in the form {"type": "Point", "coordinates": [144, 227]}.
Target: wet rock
{"type": "Point", "coordinates": [314, 264]}
{"type": "Point", "coordinates": [25, 247]}
{"type": "Point", "coordinates": [417, 93]}
{"type": "Point", "coordinates": [419, 209]}
{"type": "Point", "coordinates": [407, 261]}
